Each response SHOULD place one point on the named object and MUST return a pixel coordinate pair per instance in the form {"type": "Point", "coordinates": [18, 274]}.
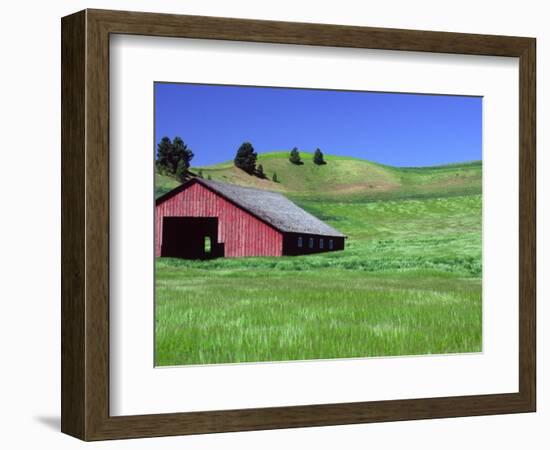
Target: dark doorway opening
{"type": "Point", "coordinates": [191, 238]}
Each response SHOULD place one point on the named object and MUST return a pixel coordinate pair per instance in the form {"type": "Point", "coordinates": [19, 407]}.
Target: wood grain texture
{"type": "Point", "coordinates": [72, 224]}
{"type": "Point", "coordinates": [201, 27]}
{"type": "Point", "coordinates": [527, 224]}
{"type": "Point", "coordinates": [85, 224]}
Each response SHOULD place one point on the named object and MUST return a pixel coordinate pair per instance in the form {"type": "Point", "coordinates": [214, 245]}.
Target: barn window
{"type": "Point", "coordinates": [300, 242]}
{"type": "Point", "coordinates": [207, 244]}
{"type": "Point", "coordinates": [310, 242]}
{"type": "Point", "coordinates": [321, 243]}
{"type": "Point", "coordinates": [330, 244]}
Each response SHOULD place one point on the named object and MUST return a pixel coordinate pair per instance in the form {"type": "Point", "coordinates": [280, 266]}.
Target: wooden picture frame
{"type": "Point", "coordinates": [85, 224]}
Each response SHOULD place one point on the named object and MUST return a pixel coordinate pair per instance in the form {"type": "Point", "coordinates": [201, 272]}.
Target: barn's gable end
{"type": "Point", "coordinates": [241, 232]}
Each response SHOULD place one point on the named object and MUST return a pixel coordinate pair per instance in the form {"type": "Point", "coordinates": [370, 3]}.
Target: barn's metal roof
{"type": "Point", "coordinates": [272, 207]}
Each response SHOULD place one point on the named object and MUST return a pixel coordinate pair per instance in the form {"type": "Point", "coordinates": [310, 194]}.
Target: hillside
{"type": "Point", "coordinates": [344, 178]}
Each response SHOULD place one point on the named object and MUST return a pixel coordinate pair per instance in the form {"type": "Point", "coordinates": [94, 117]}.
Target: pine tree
{"type": "Point", "coordinates": [260, 171]}
{"type": "Point", "coordinates": [173, 156]}
{"type": "Point", "coordinates": [181, 171]}
{"type": "Point", "coordinates": [209, 177]}
{"type": "Point", "coordinates": [318, 157]}
{"type": "Point", "coordinates": [164, 155]}
{"type": "Point", "coordinates": [245, 158]}
{"type": "Point", "coordinates": [199, 173]}
{"type": "Point", "coordinates": [295, 157]}
{"type": "Point", "coordinates": [274, 178]}
{"type": "Point", "coordinates": [181, 154]}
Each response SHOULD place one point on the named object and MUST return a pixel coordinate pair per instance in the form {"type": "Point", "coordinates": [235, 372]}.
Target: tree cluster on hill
{"type": "Point", "coordinates": [295, 157]}
{"type": "Point", "coordinates": [245, 158]}
{"type": "Point", "coordinates": [174, 157]}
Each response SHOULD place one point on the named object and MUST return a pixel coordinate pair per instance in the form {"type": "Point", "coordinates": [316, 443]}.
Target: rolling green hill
{"type": "Point", "coordinates": [344, 178]}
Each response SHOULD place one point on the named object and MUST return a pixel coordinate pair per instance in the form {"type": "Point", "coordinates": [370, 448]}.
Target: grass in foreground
{"type": "Point", "coordinates": [265, 315]}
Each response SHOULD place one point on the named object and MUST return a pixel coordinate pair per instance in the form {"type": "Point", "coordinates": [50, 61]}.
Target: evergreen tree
{"type": "Point", "coordinates": [274, 178]}
{"type": "Point", "coordinates": [209, 177]}
{"type": "Point", "coordinates": [295, 157]}
{"type": "Point", "coordinates": [260, 171]}
{"type": "Point", "coordinates": [245, 158]}
{"type": "Point", "coordinates": [199, 173]}
{"type": "Point", "coordinates": [182, 154]}
{"type": "Point", "coordinates": [164, 154]}
{"type": "Point", "coordinates": [173, 156]}
{"type": "Point", "coordinates": [181, 171]}
{"type": "Point", "coordinates": [318, 157]}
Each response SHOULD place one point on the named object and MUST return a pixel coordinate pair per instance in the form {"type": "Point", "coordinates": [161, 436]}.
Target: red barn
{"type": "Point", "coordinates": [206, 219]}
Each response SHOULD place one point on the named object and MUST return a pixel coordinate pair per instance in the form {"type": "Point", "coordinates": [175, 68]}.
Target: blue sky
{"type": "Point", "coordinates": [394, 129]}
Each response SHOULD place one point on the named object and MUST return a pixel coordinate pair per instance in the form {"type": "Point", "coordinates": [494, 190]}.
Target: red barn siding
{"type": "Point", "coordinates": [242, 233]}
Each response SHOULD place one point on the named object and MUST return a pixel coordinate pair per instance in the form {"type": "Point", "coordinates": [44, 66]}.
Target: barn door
{"type": "Point", "coordinates": [190, 237]}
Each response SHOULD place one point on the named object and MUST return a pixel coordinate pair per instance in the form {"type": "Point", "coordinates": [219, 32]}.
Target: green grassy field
{"type": "Point", "coordinates": [408, 282]}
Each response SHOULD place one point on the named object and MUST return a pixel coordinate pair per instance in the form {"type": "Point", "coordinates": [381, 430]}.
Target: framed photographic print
{"type": "Point", "coordinates": [271, 225]}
